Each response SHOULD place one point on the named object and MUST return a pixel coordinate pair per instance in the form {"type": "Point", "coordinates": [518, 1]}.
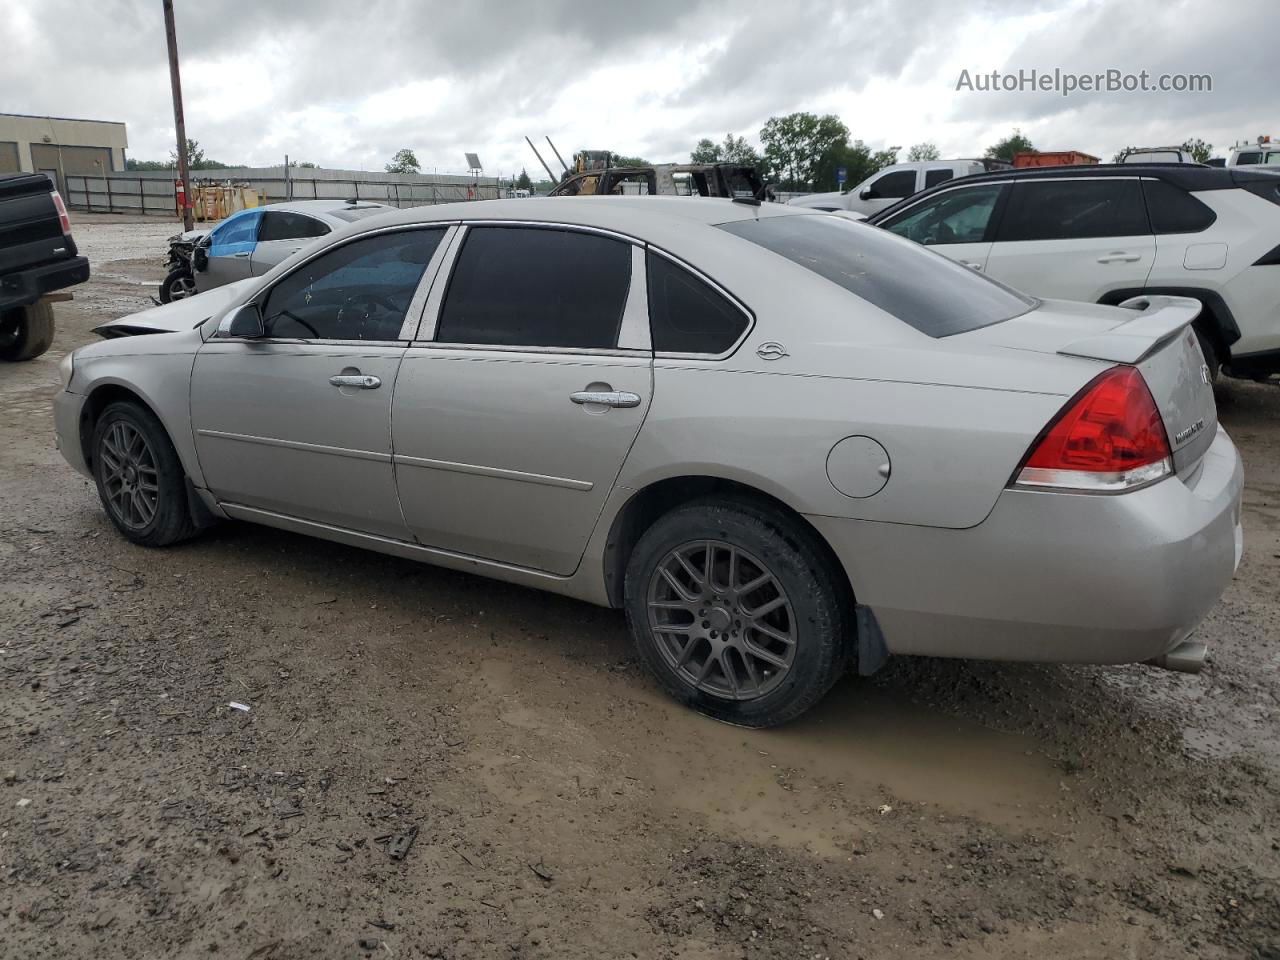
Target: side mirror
{"type": "Point", "coordinates": [866, 194]}
{"type": "Point", "coordinates": [244, 322]}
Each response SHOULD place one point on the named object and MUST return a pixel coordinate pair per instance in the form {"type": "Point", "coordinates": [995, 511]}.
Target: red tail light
{"type": "Point", "coordinates": [1109, 438]}
{"type": "Point", "coordinates": [62, 213]}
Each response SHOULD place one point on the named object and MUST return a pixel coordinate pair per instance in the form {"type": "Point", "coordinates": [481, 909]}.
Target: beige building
{"type": "Point", "coordinates": [59, 146]}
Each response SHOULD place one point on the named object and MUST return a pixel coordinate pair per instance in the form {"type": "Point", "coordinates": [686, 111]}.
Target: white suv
{"type": "Point", "coordinates": [1104, 234]}
{"type": "Point", "coordinates": [887, 186]}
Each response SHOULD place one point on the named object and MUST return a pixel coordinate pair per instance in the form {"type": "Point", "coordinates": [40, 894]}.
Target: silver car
{"type": "Point", "coordinates": [786, 444]}
{"type": "Point", "coordinates": [250, 242]}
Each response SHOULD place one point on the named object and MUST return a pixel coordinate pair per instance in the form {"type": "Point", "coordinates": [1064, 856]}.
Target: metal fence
{"type": "Point", "coordinates": [157, 195]}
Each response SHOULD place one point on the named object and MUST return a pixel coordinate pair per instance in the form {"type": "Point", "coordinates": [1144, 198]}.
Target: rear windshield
{"type": "Point", "coordinates": [921, 288]}
{"type": "Point", "coordinates": [353, 213]}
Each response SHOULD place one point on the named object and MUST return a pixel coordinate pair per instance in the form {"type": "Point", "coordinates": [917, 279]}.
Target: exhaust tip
{"type": "Point", "coordinates": [1186, 657]}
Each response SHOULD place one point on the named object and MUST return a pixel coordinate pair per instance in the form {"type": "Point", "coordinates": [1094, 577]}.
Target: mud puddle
{"type": "Point", "coordinates": [817, 784]}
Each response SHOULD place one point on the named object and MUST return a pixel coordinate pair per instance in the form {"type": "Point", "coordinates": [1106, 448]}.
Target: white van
{"type": "Point", "coordinates": [887, 186]}
{"type": "Point", "coordinates": [1264, 152]}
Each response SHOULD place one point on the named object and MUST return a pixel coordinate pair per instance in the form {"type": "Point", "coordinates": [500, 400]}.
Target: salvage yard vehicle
{"type": "Point", "coordinates": [38, 257]}
{"type": "Point", "coordinates": [785, 443]}
{"type": "Point", "coordinates": [887, 186]}
{"type": "Point", "coordinates": [1103, 234]}
{"type": "Point", "coordinates": [251, 242]}
{"type": "Point", "coordinates": [664, 180]}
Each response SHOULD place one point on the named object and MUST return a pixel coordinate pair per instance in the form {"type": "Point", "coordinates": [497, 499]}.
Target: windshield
{"type": "Point", "coordinates": [921, 288]}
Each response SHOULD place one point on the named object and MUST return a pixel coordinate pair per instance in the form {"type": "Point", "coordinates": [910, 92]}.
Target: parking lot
{"type": "Point", "coordinates": [563, 806]}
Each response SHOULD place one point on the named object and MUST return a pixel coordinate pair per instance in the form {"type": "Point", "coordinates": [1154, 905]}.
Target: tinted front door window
{"type": "Point", "coordinates": [523, 286]}
{"type": "Point", "coordinates": [957, 216]}
{"type": "Point", "coordinates": [1074, 210]}
{"type": "Point", "coordinates": [894, 186]}
{"type": "Point", "coordinates": [358, 291]}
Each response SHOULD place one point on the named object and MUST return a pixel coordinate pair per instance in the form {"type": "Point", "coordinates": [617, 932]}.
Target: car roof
{"type": "Point", "coordinates": [1189, 176]}
{"type": "Point", "coordinates": [324, 206]}
{"type": "Point", "coordinates": [621, 213]}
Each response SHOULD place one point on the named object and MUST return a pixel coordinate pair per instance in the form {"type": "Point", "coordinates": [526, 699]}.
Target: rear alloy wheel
{"type": "Point", "coordinates": [736, 613]}
{"type": "Point", "coordinates": [140, 479]}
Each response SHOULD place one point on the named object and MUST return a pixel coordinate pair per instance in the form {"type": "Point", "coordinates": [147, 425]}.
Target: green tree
{"type": "Point", "coordinates": [1016, 142]}
{"type": "Point", "coordinates": [1200, 151]}
{"type": "Point", "coordinates": [622, 160]}
{"type": "Point", "coordinates": [405, 161]}
{"type": "Point", "coordinates": [795, 146]}
{"type": "Point", "coordinates": [858, 160]}
{"type": "Point", "coordinates": [523, 182]}
{"type": "Point", "coordinates": [732, 150]}
{"type": "Point", "coordinates": [132, 164]}
{"type": "Point", "coordinates": [923, 151]}
{"type": "Point", "coordinates": [705, 152]}
{"type": "Point", "coordinates": [1121, 154]}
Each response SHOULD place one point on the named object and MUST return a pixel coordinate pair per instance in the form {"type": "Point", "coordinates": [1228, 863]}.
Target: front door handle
{"type": "Point", "coordinates": [1120, 256]}
{"type": "Point", "coordinates": [359, 381]}
{"type": "Point", "coordinates": [240, 256]}
{"type": "Point", "coordinates": [606, 398]}
{"type": "Point", "coordinates": [972, 265]}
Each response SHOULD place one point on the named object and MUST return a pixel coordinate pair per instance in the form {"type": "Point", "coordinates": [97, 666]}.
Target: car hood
{"type": "Point", "coordinates": [179, 315]}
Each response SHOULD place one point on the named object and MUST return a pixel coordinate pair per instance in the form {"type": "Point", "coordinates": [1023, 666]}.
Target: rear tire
{"type": "Point", "coordinates": [26, 332]}
{"type": "Point", "coordinates": [720, 655]}
{"type": "Point", "coordinates": [179, 285]}
{"type": "Point", "coordinates": [140, 479]}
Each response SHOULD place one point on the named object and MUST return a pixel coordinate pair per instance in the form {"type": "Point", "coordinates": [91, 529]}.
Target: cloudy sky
{"type": "Point", "coordinates": [345, 83]}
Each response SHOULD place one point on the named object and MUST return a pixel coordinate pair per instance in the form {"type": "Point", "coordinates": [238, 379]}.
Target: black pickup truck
{"type": "Point", "coordinates": [37, 257]}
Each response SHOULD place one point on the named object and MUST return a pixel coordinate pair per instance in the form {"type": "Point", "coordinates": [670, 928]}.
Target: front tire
{"type": "Point", "coordinates": [178, 285]}
{"type": "Point", "coordinates": [140, 479]}
{"type": "Point", "coordinates": [737, 612]}
{"type": "Point", "coordinates": [26, 332]}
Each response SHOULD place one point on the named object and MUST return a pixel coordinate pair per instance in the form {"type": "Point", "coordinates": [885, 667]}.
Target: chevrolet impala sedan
{"type": "Point", "coordinates": [786, 444]}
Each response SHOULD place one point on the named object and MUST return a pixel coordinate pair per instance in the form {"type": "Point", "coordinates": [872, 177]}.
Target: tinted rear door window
{"type": "Point", "coordinates": [530, 287]}
{"type": "Point", "coordinates": [1173, 210]}
{"type": "Point", "coordinates": [934, 177]}
{"type": "Point", "coordinates": [688, 315]}
{"type": "Point", "coordinates": [922, 289]}
{"type": "Point", "coordinates": [1074, 210]}
{"type": "Point", "coordinates": [286, 225]}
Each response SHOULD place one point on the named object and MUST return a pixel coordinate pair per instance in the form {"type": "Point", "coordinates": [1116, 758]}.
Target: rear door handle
{"type": "Point", "coordinates": [607, 398]}
{"type": "Point", "coordinates": [359, 381]}
{"type": "Point", "coordinates": [1120, 256]}
{"type": "Point", "coordinates": [971, 265]}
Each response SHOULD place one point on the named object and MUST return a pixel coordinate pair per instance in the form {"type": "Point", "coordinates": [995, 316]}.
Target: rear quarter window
{"type": "Point", "coordinates": [1173, 210]}
{"type": "Point", "coordinates": [923, 289]}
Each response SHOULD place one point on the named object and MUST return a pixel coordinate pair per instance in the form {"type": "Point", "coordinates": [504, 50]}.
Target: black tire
{"type": "Point", "coordinates": [170, 519]}
{"type": "Point", "coordinates": [26, 332]}
{"type": "Point", "coordinates": [820, 611]}
{"type": "Point", "coordinates": [177, 279]}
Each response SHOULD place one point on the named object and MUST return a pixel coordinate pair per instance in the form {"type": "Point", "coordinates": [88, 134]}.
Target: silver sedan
{"type": "Point", "coordinates": [786, 444]}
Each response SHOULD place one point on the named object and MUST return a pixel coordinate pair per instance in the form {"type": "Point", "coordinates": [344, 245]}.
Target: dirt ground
{"type": "Point", "coordinates": [563, 807]}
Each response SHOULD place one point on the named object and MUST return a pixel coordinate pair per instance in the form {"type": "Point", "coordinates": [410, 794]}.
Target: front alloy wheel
{"type": "Point", "coordinates": [130, 479]}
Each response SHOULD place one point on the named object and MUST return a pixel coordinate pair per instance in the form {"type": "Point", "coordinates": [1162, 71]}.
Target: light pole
{"type": "Point", "coordinates": [179, 123]}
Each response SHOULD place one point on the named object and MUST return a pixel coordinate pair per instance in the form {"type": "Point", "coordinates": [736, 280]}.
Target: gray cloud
{"type": "Point", "coordinates": [501, 71]}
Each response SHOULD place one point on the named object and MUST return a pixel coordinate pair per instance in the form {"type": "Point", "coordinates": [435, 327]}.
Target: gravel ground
{"type": "Point", "coordinates": [558, 805]}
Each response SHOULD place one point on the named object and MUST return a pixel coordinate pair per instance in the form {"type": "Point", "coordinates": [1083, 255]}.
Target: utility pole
{"type": "Point", "coordinates": [179, 124]}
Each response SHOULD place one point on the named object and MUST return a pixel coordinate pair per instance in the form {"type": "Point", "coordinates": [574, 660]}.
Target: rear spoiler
{"type": "Point", "coordinates": [1159, 320]}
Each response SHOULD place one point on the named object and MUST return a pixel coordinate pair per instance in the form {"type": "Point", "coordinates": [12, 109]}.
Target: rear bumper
{"type": "Point", "coordinates": [29, 284]}
{"type": "Point", "coordinates": [1052, 576]}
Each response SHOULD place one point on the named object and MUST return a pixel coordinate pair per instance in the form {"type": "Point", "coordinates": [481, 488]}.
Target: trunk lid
{"type": "Point", "coordinates": [30, 230]}
{"type": "Point", "coordinates": [1152, 333]}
